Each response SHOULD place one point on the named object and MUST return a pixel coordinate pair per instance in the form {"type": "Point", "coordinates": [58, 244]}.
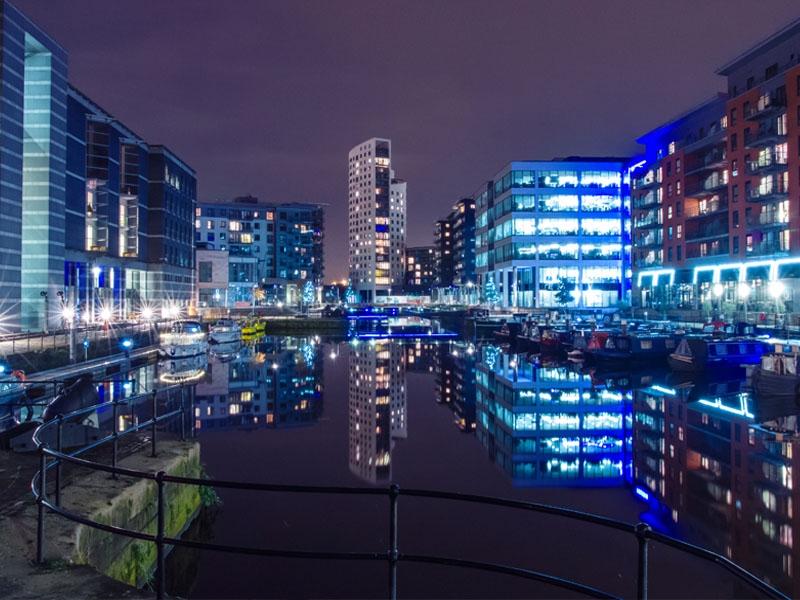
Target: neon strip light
{"type": "Point", "coordinates": [656, 273]}
{"type": "Point", "coordinates": [742, 411]}
{"type": "Point", "coordinates": [414, 335]}
{"type": "Point", "coordinates": [664, 390]}
{"type": "Point", "coordinates": [642, 493]}
{"type": "Point", "coordinates": [774, 266]}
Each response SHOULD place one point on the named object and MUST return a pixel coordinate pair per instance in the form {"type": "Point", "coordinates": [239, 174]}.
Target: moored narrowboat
{"type": "Point", "coordinates": [704, 354]}
{"type": "Point", "coordinates": [636, 348]}
{"type": "Point", "coordinates": [778, 373]}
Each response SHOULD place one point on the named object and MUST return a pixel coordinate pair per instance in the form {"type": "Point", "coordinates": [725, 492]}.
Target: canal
{"type": "Point", "coordinates": [689, 458]}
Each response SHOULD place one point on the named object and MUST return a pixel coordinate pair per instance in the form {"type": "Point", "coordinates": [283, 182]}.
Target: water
{"type": "Point", "coordinates": [688, 458]}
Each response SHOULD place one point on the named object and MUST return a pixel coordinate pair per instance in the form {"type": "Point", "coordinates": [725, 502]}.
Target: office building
{"type": "Point", "coordinates": [420, 270]}
{"type": "Point", "coordinates": [376, 221]}
{"type": "Point", "coordinates": [544, 226]}
{"type": "Point", "coordinates": [273, 248]}
{"type": "Point", "coordinates": [716, 224]}
{"type": "Point", "coordinates": [93, 220]}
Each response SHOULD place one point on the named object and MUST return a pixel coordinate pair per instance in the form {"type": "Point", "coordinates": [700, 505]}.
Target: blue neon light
{"type": "Point", "coordinates": [414, 335]}
{"type": "Point", "coordinates": [127, 343]}
{"type": "Point", "coordinates": [663, 390]}
{"type": "Point", "coordinates": [642, 493]}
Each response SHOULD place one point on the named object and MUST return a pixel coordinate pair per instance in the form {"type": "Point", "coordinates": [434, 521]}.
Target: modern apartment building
{"type": "Point", "coordinates": [541, 226]}
{"type": "Point", "coordinates": [715, 200]}
{"type": "Point", "coordinates": [454, 240]}
{"type": "Point", "coordinates": [420, 270]}
{"type": "Point", "coordinates": [274, 248]}
{"type": "Point", "coordinates": [377, 221]}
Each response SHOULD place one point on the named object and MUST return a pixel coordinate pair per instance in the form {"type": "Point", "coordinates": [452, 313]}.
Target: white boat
{"type": "Point", "coordinates": [182, 370]}
{"type": "Point", "coordinates": [225, 331]}
{"type": "Point", "coordinates": [185, 338]}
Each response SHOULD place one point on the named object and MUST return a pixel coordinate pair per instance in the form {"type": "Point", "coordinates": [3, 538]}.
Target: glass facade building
{"type": "Point", "coordinates": [544, 225]}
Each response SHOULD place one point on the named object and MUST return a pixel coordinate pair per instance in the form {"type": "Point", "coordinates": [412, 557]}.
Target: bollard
{"type": "Point", "coordinates": [394, 492]}
{"type": "Point", "coordinates": [60, 425]}
{"type": "Point", "coordinates": [642, 529]}
{"type": "Point", "coordinates": [161, 579]}
{"type": "Point", "coordinates": [40, 501]}
{"type": "Point", "coordinates": [114, 442]}
{"type": "Point", "coordinates": [183, 417]}
{"type": "Point", "coordinates": [155, 424]}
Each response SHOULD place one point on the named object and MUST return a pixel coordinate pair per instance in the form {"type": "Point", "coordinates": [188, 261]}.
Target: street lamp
{"type": "Point", "coordinates": [776, 289]}
{"type": "Point", "coordinates": [744, 294]}
{"type": "Point", "coordinates": [44, 295]}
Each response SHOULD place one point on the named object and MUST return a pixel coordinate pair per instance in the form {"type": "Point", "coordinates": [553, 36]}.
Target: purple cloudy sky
{"type": "Point", "coordinates": [267, 98]}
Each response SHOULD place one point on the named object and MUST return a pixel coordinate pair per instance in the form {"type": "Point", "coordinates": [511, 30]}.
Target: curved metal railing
{"type": "Point", "coordinates": [642, 532]}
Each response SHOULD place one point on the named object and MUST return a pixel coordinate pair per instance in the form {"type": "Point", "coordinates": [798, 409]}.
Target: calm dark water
{"type": "Point", "coordinates": [689, 458]}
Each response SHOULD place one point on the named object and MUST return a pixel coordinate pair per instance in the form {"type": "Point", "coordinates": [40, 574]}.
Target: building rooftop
{"type": "Point", "coordinates": [775, 39]}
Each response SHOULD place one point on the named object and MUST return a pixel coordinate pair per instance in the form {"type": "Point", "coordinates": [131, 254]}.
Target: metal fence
{"type": "Point", "coordinates": [53, 459]}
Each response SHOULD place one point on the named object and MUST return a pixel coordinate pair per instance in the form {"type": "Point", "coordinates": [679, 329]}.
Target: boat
{"type": "Point", "coordinates": [531, 339]}
{"type": "Point", "coordinates": [555, 340]}
{"type": "Point", "coordinates": [633, 349]}
{"type": "Point", "coordinates": [12, 389]}
{"type": "Point", "coordinates": [508, 331]}
{"type": "Point", "coordinates": [708, 354]}
{"type": "Point", "coordinates": [182, 370]}
{"type": "Point", "coordinates": [583, 347]}
{"type": "Point", "coordinates": [777, 375]}
{"type": "Point", "coordinates": [226, 351]}
{"type": "Point", "coordinates": [253, 328]}
{"type": "Point", "coordinates": [185, 338]}
{"type": "Point", "coordinates": [224, 331]}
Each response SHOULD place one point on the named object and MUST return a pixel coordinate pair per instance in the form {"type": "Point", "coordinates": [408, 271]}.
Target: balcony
{"type": "Point", "coordinates": [713, 207]}
{"type": "Point", "coordinates": [701, 250]}
{"type": "Point", "coordinates": [767, 194]}
{"type": "Point", "coordinates": [716, 136]}
{"type": "Point", "coordinates": [768, 106]}
{"type": "Point", "coordinates": [651, 260]}
{"type": "Point", "coordinates": [648, 222]}
{"type": "Point", "coordinates": [767, 220]}
{"type": "Point", "coordinates": [766, 136]}
{"type": "Point", "coordinates": [651, 240]}
{"type": "Point", "coordinates": [707, 187]}
{"type": "Point", "coordinates": [766, 164]}
{"type": "Point", "coordinates": [647, 201]}
{"type": "Point", "coordinates": [716, 159]}
{"type": "Point", "coordinates": [717, 229]}
{"type": "Point", "coordinates": [768, 248]}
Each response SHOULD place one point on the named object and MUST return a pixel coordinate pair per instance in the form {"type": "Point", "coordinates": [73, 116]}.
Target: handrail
{"type": "Point", "coordinates": [642, 531]}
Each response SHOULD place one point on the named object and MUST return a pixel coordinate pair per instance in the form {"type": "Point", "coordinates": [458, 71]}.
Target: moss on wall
{"type": "Point", "coordinates": [127, 559]}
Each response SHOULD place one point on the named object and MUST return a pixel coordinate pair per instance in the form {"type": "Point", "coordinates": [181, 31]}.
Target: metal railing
{"type": "Point", "coordinates": [392, 556]}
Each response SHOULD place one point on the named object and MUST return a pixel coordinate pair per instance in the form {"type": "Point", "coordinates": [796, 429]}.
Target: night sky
{"type": "Point", "coordinates": [267, 98]}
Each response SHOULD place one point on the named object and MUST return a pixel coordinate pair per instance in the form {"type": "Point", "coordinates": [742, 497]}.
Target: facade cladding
{"type": "Point", "coordinates": [543, 226]}
{"type": "Point", "coordinates": [715, 215]}
{"type": "Point", "coordinates": [273, 247]}
{"type": "Point", "coordinates": [420, 270]}
{"type": "Point", "coordinates": [376, 221]}
{"type": "Point", "coordinates": [33, 123]}
{"type": "Point", "coordinates": [77, 209]}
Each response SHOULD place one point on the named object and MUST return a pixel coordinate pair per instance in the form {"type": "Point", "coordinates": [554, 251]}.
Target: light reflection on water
{"type": "Point", "coordinates": [693, 459]}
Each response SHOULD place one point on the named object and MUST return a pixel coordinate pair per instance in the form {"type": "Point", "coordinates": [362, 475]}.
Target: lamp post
{"type": "Point", "coordinates": [44, 295]}
{"type": "Point", "coordinates": [776, 289]}
{"type": "Point", "coordinates": [744, 294]}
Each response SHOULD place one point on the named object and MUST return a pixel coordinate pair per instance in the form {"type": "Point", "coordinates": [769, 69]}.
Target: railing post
{"type": "Point", "coordinates": [155, 423]}
{"type": "Point", "coordinates": [114, 442]}
{"type": "Point", "coordinates": [41, 499]}
{"type": "Point", "coordinates": [394, 492]}
{"type": "Point", "coordinates": [183, 417]}
{"type": "Point", "coordinates": [642, 531]}
{"type": "Point", "coordinates": [59, 425]}
{"type": "Point", "coordinates": [161, 579]}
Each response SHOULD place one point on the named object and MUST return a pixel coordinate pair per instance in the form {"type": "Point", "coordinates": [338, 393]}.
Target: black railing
{"type": "Point", "coordinates": [642, 532]}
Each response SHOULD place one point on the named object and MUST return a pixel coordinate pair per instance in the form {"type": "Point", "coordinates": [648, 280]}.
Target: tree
{"type": "Point", "coordinates": [309, 292]}
{"type": "Point", "coordinates": [564, 291]}
{"type": "Point", "coordinates": [490, 290]}
{"type": "Point", "coordinates": [350, 295]}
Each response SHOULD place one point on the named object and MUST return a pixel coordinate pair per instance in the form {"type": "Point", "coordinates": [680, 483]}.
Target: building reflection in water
{"type": "Point", "coordinates": [275, 382]}
{"type": "Point", "coordinates": [455, 382]}
{"type": "Point", "coordinates": [377, 415]}
{"type": "Point", "coordinates": [551, 426]}
{"type": "Point", "coordinates": [705, 466]}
